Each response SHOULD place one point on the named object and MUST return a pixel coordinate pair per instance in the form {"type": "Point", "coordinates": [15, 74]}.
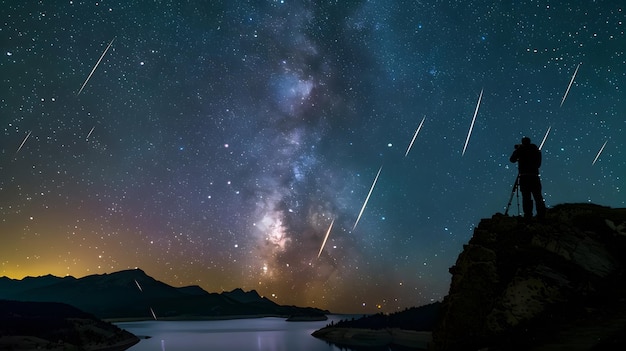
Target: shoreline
{"type": "Point", "coordinates": [375, 337]}
{"type": "Point", "coordinates": [29, 342]}
{"type": "Point", "coordinates": [203, 318]}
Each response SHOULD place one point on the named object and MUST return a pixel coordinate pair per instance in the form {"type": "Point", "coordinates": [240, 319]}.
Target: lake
{"type": "Point", "coordinates": [259, 334]}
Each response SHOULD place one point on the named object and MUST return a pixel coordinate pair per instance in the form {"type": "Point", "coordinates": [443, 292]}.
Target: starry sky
{"type": "Point", "coordinates": [216, 141]}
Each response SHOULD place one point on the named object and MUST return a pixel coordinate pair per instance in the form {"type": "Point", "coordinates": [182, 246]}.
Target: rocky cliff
{"type": "Point", "coordinates": [530, 285]}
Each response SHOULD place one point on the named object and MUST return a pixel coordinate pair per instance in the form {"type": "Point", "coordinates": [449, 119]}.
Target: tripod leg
{"type": "Point", "coordinates": [508, 205]}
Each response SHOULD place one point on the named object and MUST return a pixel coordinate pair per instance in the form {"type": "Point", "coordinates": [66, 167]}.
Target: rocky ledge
{"type": "Point", "coordinates": [539, 285]}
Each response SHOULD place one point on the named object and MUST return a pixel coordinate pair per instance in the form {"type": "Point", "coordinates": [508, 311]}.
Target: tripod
{"type": "Point", "coordinates": [515, 190]}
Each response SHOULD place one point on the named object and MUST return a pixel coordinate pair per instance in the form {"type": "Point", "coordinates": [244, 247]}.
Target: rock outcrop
{"type": "Point", "coordinates": [539, 285]}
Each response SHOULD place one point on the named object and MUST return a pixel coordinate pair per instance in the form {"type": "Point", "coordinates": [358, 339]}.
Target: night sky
{"type": "Point", "coordinates": [216, 141]}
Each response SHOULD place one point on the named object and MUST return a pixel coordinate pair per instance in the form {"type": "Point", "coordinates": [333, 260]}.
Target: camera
{"type": "Point", "coordinates": [516, 146]}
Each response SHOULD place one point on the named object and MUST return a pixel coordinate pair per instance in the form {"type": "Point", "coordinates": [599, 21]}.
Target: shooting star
{"type": "Point", "coordinates": [414, 136]}
{"type": "Point", "coordinates": [570, 85]}
{"type": "Point", "coordinates": [473, 120]}
{"type": "Point", "coordinates": [139, 286]}
{"type": "Point", "coordinates": [22, 144]}
{"type": "Point", "coordinates": [153, 315]}
{"type": "Point", "coordinates": [367, 198]}
{"type": "Point", "coordinates": [545, 137]}
{"type": "Point", "coordinates": [326, 238]}
{"type": "Point", "coordinates": [599, 152]}
{"type": "Point", "coordinates": [95, 66]}
{"type": "Point", "coordinates": [88, 135]}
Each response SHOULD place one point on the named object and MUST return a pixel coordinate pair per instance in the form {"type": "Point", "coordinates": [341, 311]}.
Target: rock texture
{"type": "Point", "coordinates": [523, 285]}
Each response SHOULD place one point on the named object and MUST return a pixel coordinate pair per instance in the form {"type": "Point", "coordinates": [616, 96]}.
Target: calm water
{"type": "Point", "coordinates": [262, 334]}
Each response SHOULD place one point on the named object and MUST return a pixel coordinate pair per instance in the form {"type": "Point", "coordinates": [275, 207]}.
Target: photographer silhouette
{"type": "Point", "coordinates": [528, 158]}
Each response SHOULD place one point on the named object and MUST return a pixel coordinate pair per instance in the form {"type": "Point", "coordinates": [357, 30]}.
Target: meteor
{"type": "Point", "coordinates": [414, 136]}
{"type": "Point", "coordinates": [95, 66]}
{"type": "Point", "coordinates": [139, 286]}
{"type": "Point", "coordinates": [153, 314]}
{"type": "Point", "coordinates": [326, 238]}
{"type": "Point", "coordinates": [22, 144]}
{"type": "Point", "coordinates": [570, 85]}
{"type": "Point", "coordinates": [545, 137]}
{"type": "Point", "coordinates": [367, 198]}
{"type": "Point", "coordinates": [599, 152]}
{"type": "Point", "coordinates": [473, 120]}
{"type": "Point", "coordinates": [88, 135]}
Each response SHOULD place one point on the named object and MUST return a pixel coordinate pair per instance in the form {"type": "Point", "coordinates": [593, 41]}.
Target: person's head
{"type": "Point", "coordinates": [525, 141]}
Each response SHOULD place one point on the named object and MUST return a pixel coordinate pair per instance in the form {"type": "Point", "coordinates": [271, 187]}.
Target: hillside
{"type": "Point", "coordinates": [408, 329]}
{"type": "Point", "coordinates": [56, 326]}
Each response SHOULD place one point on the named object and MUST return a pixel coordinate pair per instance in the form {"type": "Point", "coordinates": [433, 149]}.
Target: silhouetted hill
{"type": "Point", "coordinates": [8, 285]}
{"type": "Point", "coordinates": [558, 284]}
{"type": "Point", "coordinates": [244, 297]}
{"type": "Point", "coordinates": [415, 318]}
{"type": "Point", "coordinates": [134, 294]}
{"type": "Point", "coordinates": [57, 326]}
{"type": "Point", "coordinates": [409, 329]}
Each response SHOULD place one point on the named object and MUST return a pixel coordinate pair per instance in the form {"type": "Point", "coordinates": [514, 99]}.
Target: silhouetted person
{"type": "Point", "coordinates": [528, 158]}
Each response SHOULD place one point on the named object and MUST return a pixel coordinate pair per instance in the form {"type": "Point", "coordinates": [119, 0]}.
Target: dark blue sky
{"type": "Point", "coordinates": [215, 141]}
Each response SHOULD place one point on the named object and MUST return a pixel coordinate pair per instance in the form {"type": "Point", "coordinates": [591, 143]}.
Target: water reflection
{"type": "Point", "coordinates": [262, 334]}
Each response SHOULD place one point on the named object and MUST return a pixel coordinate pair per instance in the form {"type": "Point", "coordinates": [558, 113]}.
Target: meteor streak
{"type": "Point", "coordinates": [139, 286]}
{"type": "Point", "coordinates": [367, 198]}
{"type": "Point", "coordinates": [599, 152]}
{"type": "Point", "coordinates": [570, 85]}
{"type": "Point", "coordinates": [22, 144]}
{"type": "Point", "coordinates": [414, 136]}
{"type": "Point", "coordinates": [326, 238]}
{"type": "Point", "coordinates": [473, 120]}
{"type": "Point", "coordinates": [87, 139]}
{"type": "Point", "coordinates": [153, 315]}
{"type": "Point", "coordinates": [545, 137]}
{"type": "Point", "coordinates": [95, 66]}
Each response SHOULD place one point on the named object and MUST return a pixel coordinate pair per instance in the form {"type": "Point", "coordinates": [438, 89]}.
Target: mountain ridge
{"type": "Point", "coordinates": [134, 294]}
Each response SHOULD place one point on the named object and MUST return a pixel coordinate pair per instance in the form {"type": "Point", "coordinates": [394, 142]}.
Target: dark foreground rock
{"type": "Point", "coordinates": [558, 284]}
{"type": "Point", "coordinates": [57, 326]}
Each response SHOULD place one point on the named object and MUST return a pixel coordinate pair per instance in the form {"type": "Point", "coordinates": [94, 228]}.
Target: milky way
{"type": "Point", "coordinates": [215, 142]}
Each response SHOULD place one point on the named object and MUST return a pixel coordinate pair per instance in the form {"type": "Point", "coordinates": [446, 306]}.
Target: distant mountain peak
{"type": "Point", "coordinates": [242, 296]}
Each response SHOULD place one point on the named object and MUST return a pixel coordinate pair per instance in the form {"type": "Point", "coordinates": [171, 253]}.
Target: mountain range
{"type": "Point", "coordinates": [134, 294]}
